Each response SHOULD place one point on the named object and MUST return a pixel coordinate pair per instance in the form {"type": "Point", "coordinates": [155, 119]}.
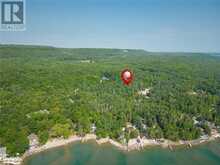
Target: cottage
{"type": "Point", "coordinates": [44, 111]}
{"type": "Point", "coordinates": [104, 78]}
{"type": "Point", "coordinates": [3, 154]}
{"type": "Point", "coordinates": [85, 61]}
{"type": "Point", "coordinates": [196, 122]}
{"type": "Point", "coordinates": [93, 128]}
{"type": "Point", "coordinates": [144, 92]}
{"type": "Point", "coordinates": [129, 126]}
{"type": "Point", "coordinates": [204, 137]}
{"type": "Point", "coordinates": [33, 141]}
{"type": "Point", "coordinates": [192, 93]}
{"type": "Point", "coordinates": [144, 126]}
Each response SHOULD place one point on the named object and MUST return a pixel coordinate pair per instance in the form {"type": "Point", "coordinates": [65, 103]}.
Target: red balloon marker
{"type": "Point", "coordinates": [127, 76]}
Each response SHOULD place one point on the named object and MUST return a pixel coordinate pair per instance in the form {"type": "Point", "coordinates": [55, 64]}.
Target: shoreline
{"type": "Point", "coordinates": [133, 144]}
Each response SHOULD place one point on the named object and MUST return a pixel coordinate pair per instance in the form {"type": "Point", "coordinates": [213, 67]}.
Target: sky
{"type": "Point", "coordinates": [153, 25]}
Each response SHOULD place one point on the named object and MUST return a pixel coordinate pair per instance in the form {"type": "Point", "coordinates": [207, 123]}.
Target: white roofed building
{"type": "Point", "coordinates": [3, 154]}
{"type": "Point", "coordinates": [33, 141]}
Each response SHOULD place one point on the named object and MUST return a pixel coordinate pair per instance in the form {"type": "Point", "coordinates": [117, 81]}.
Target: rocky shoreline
{"type": "Point", "coordinates": [133, 144]}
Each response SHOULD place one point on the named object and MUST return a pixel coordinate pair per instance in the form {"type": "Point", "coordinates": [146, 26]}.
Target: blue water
{"type": "Point", "coordinates": [91, 154]}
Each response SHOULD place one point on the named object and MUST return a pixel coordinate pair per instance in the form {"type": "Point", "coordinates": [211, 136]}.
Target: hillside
{"type": "Point", "coordinates": [55, 92]}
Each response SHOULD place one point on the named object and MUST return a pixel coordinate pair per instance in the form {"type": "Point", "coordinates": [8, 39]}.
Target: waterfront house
{"type": "Point", "coordinates": [93, 128]}
{"type": "Point", "coordinates": [196, 122]}
{"type": "Point", "coordinates": [33, 141]}
{"type": "Point", "coordinates": [3, 154]}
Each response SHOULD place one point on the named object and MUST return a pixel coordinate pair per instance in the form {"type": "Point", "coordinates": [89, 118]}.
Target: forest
{"type": "Point", "coordinates": [57, 92]}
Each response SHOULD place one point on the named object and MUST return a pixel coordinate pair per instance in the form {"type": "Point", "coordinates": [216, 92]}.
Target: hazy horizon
{"type": "Point", "coordinates": [39, 45]}
{"type": "Point", "coordinates": [152, 25]}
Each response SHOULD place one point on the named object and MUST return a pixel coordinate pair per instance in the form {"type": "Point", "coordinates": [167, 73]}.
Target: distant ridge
{"type": "Point", "coordinates": [125, 50]}
{"type": "Point", "coordinates": [25, 46]}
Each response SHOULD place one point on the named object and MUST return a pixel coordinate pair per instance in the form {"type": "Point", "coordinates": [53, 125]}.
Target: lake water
{"type": "Point", "coordinates": [92, 154]}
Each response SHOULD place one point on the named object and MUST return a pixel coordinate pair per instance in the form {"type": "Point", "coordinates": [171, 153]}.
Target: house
{"type": "Point", "coordinates": [93, 128]}
{"type": "Point", "coordinates": [129, 126]}
{"type": "Point", "coordinates": [196, 122]}
{"type": "Point", "coordinates": [33, 141]}
{"type": "Point", "coordinates": [87, 61]}
{"type": "Point", "coordinates": [3, 154]}
{"type": "Point", "coordinates": [204, 137]}
{"type": "Point", "coordinates": [192, 93]}
{"type": "Point", "coordinates": [44, 111]}
{"type": "Point", "coordinates": [144, 126]}
{"type": "Point", "coordinates": [104, 78]}
{"type": "Point", "coordinates": [145, 92]}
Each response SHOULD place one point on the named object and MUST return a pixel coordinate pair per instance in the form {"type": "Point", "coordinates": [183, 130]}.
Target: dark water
{"type": "Point", "coordinates": [91, 154]}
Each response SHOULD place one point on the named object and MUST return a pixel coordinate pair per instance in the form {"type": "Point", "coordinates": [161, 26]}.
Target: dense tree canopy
{"type": "Point", "coordinates": [56, 92]}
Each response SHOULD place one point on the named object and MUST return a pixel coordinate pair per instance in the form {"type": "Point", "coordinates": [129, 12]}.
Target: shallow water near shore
{"type": "Point", "coordinates": [92, 154]}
